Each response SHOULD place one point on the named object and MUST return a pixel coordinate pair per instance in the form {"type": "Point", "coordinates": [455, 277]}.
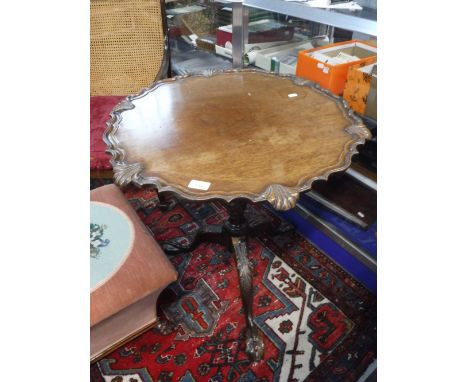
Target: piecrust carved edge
{"type": "Point", "coordinates": [279, 196]}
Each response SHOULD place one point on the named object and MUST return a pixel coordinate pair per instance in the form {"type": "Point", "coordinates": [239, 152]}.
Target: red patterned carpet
{"type": "Point", "coordinates": [318, 323]}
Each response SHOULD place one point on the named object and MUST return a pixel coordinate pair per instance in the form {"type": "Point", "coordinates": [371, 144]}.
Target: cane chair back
{"type": "Point", "coordinates": [128, 45]}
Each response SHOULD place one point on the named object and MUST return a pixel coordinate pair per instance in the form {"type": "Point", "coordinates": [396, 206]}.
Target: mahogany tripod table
{"type": "Point", "coordinates": [235, 136]}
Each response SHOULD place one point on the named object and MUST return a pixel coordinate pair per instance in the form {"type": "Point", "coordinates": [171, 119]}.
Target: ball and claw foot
{"type": "Point", "coordinates": [254, 346]}
{"type": "Point", "coordinates": [164, 327]}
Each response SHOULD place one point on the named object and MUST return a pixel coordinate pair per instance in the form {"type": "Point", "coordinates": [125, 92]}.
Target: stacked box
{"type": "Point", "coordinates": [259, 31]}
{"type": "Point", "coordinates": [281, 59]}
{"type": "Point", "coordinates": [361, 90]}
{"type": "Point", "coordinates": [328, 65]}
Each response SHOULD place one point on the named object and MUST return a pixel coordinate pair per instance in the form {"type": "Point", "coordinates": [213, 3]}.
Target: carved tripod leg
{"type": "Point", "coordinates": [259, 224]}
{"type": "Point", "coordinates": [212, 234]}
{"type": "Point", "coordinates": [254, 343]}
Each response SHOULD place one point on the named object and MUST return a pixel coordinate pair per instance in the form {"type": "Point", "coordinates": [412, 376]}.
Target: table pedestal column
{"type": "Point", "coordinates": [233, 234]}
{"type": "Point", "coordinates": [237, 227]}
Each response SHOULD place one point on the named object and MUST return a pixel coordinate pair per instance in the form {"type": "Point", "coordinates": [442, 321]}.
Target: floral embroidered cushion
{"type": "Point", "coordinates": [111, 239]}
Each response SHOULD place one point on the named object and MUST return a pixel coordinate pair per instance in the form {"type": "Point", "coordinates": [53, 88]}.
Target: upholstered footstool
{"type": "Point", "coordinates": [128, 272]}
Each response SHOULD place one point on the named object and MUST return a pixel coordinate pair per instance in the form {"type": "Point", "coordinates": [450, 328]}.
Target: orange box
{"type": "Point", "coordinates": [357, 92]}
{"type": "Point", "coordinates": [325, 65]}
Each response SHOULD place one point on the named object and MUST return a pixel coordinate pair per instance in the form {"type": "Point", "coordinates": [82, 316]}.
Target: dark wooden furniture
{"type": "Point", "coordinates": [235, 136]}
{"type": "Point", "coordinates": [348, 198]}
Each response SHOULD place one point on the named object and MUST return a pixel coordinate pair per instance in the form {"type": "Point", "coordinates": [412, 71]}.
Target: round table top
{"type": "Point", "coordinates": [232, 134]}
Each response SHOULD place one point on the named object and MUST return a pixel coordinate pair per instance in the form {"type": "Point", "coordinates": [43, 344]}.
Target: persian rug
{"type": "Point", "coordinates": [318, 323]}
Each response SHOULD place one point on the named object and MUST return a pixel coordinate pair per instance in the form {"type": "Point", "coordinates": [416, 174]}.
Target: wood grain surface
{"type": "Point", "coordinates": [239, 131]}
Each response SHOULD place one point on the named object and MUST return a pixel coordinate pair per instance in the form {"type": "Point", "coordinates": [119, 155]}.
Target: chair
{"type": "Point", "coordinates": [129, 51]}
{"type": "Point", "coordinates": [128, 272]}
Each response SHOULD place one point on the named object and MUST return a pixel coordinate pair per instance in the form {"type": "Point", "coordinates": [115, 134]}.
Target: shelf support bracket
{"type": "Point", "coordinates": [240, 33]}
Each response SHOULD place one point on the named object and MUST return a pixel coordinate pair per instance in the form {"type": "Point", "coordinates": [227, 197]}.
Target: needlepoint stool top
{"type": "Point", "coordinates": [111, 240]}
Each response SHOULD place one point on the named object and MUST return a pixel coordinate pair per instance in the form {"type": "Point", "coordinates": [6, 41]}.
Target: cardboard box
{"type": "Point", "coordinates": [328, 65]}
{"type": "Point", "coordinates": [226, 51]}
{"type": "Point", "coordinates": [371, 108]}
{"type": "Point", "coordinates": [361, 89]}
{"type": "Point", "coordinates": [282, 58]}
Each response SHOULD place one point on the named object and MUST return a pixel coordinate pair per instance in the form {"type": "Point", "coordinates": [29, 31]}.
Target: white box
{"type": "Point", "coordinates": [227, 51]}
{"type": "Point", "coordinates": [284, 55]}
{"type": "Point", "coordinates": [222, 51]}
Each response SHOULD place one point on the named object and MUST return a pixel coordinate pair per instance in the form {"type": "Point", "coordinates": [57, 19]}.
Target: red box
{"type": "Point", "coordinates": [259, 31]}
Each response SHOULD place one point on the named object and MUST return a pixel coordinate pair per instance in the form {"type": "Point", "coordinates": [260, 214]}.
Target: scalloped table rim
{"type": "Point", "coordinates": [279, 196]}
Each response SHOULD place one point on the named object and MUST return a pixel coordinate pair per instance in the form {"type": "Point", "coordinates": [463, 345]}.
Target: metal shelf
{"type": "Point", "coordinates": [364, 21]}
{"type": "Point", "coordinates": [328, 229]}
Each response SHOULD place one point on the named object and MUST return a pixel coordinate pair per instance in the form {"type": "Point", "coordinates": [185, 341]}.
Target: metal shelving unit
{"type": "Point", "coordinates": [364, 21]}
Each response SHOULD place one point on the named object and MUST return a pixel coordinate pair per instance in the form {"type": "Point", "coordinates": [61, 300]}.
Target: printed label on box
{"type": "Point", "coordinates": [199, 185]}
